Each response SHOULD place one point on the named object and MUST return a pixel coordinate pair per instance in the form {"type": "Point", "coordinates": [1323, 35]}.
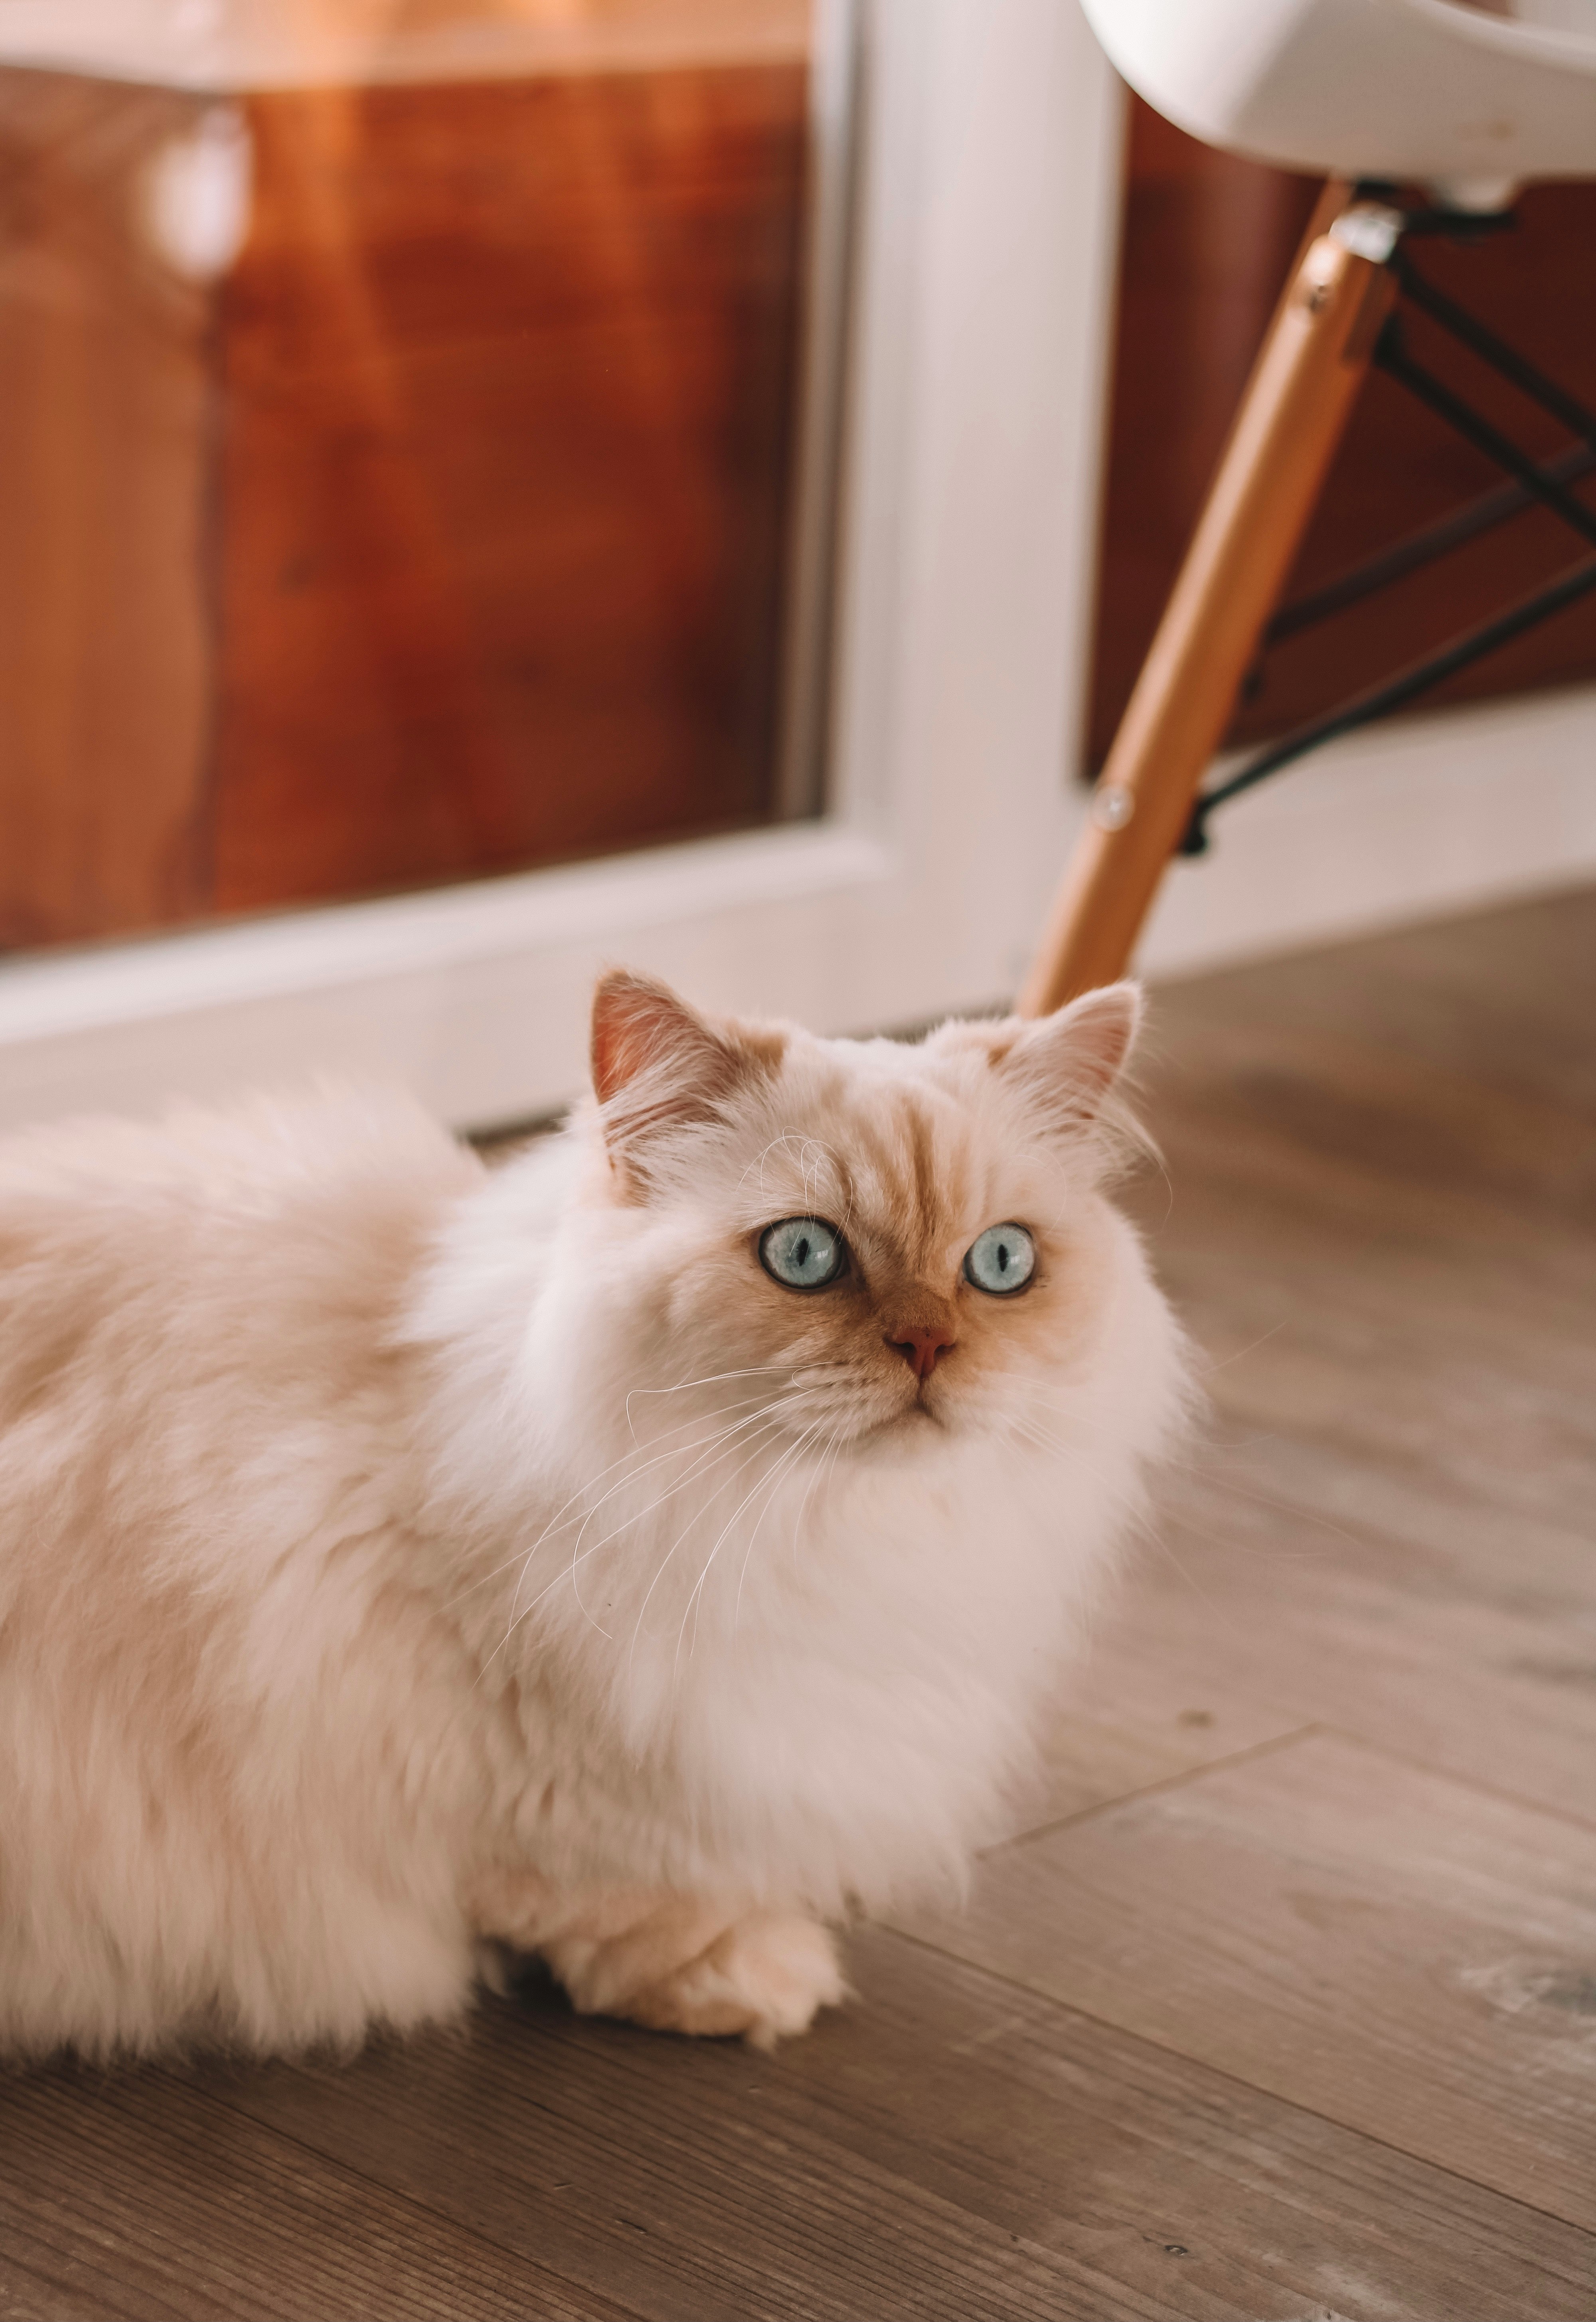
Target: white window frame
{"type": "Point", "coordinates": [973, 402]}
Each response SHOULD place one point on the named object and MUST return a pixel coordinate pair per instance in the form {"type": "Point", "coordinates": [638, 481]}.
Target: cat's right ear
{"type": "Point", "coordinates": [1067, 1065]}
{"type": "Point", "coordinates": [661, 1068]}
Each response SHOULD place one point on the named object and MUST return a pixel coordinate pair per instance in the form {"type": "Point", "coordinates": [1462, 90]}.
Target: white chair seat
{"type": "Point", "coordinates": [1468, 98]}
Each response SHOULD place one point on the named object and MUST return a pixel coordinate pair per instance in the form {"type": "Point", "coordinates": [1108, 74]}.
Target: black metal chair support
{"type": "Point", "coordinates": [1543, 482]}
{"type": "Point", "coordinates": [1421, 547]}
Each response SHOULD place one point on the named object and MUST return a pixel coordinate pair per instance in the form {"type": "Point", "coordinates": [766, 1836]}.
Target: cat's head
{"type": "Point", "coordinates": [881, 1244]}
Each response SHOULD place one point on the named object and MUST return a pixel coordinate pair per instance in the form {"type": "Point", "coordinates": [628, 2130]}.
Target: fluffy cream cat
{"type": "Point", "coordinates": [638, 1554]}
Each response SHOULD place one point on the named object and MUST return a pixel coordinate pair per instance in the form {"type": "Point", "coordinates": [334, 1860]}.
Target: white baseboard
{"type": "Point", "coordinates": [477, 995]}
{"type": "Point", "coordinates": [1415, 819]}
{"type": "Point", "coordinates": [1404, 823]}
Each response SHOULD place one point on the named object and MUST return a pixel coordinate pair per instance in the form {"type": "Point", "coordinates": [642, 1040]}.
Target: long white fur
{"type": "Point", "coordinates": [376, 1529]}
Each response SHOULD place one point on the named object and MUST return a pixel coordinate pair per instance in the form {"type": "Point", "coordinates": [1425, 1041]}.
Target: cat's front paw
{"type": "Point", "coordinates": [765, 1977]}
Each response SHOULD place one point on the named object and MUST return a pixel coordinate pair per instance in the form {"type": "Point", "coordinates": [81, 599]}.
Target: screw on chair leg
{"type": "Point", "coordinates": [1290, 420]}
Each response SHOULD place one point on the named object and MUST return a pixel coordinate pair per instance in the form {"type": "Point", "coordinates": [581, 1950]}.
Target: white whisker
{"type": "Point", "coordinates": [711, 1378]}
{"type": "Point", "coordinates": [566, 1572]}
{"type": "Point", "coordinates": [681, 1535]}
{"type": "Point", "coordinates": [557, 1522]}
{"type": "Point", "coordinates": [726, 1434]}
{"type": "Point", "coordinates": [797, 1522]}
{"type": "Point", "coordinates": [765, 1482]}
{"type": "Point", "coordinates": [703, 1446]}
{"type": "Point", "coordinates": [708, 1454]}
{"type": "Point", "coordinates": [522, 1556]}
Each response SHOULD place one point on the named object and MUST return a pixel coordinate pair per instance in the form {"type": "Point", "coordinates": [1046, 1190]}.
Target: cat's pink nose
{"type": "Point", "coordinates": [920, 1349]}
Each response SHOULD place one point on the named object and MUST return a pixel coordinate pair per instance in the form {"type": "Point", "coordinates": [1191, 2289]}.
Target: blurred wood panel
{"type": "Point", "coordinates": [105, 425]}
{"type": "Point", "coordinates": [445, 534]}
{"type": "Point", "coordinates": [509, 374]}
{"type": "Point", "coordinates": [1208, 239]}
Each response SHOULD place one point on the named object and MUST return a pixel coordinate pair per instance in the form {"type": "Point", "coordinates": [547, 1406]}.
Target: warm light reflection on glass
{"type": "Point", "coordinates": [242, 42]}
{"type": "Point", "coordinates": [400, 402]}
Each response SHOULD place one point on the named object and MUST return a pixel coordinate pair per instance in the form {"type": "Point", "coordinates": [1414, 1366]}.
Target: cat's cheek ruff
{"type": "Point", "coordinates": [846, 1725]}
{"type": "Point", "coordinates": [833, 1779]}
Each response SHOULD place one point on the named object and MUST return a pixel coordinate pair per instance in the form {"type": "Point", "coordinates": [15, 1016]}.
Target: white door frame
{"type": "Point", "coordinates": [987, 228]}
{"type": "Point", "coordinates": [986, 218]}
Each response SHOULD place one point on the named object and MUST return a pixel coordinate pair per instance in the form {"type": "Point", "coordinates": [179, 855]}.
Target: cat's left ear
{"type": "Point", "coordinates": [660, 1067]}
{"type": "Point", "coordinates": [1066, 1064]}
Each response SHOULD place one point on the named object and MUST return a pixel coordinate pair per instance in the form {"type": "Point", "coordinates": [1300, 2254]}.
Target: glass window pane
{"type": "Point", "coordinates": [399, 427]}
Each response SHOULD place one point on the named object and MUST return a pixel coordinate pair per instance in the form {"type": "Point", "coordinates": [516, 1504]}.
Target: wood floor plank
{"type": "Point", "coordinates": [50, 2282]}
{"type": "Point", "coordinates": [1274, 1617]}
{"type": "Point", "coordinates": [1395, 1950]}
{"type": "Point", "coordinates": [948, 2146]}
{"type": "Point", "coordinates": [1105, 1740]}
{"type": "Point", "coordinates": [1386, 1527]}
{"type": "Point", "coordinates": [1376, 1335]}
{"type": "Point", "coordinates": [61, 2283]}
{"type": "Point", "coordinates": [138, 2194]}
{"type": "Point", "coordinates": [1381, 1125]}
{"type": "Point", "coordinates": [661, 2168]}
{"type": "Point", "coordinates": [1502, 995]}
{"type": "Point", "coordinates": [1166, 2174]}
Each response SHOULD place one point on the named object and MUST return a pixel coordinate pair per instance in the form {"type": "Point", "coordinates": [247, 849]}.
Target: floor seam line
{"type": "Point", "coordinates": [1182, 1780]}
{"type": "Point", "coordinates": [1236, 2079]}
{"type": "Point", "coordinates": [1464, 1781]}
{"type": "Point", "coordinates": [396, 2193]}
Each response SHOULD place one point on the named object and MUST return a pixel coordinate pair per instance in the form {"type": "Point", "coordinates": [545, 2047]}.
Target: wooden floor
{"type": "Point", "coordinates": [1283, 2003]}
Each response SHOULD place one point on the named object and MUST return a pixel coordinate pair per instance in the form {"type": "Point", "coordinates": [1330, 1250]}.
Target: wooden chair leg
{"type": "Point", "coordinates": [1297, 403]}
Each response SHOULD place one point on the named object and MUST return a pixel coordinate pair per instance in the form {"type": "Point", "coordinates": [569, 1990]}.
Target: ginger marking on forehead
{"type": "Point", "coordinates": [927, 1192]}
{"type": "Point", "coordinates": [924, 1200]}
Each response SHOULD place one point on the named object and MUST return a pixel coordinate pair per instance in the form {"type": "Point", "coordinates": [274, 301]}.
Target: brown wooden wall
{"type": "Point", "coordinates": [106, 631]}
{"type": "Point", "coordinates": [1207, 240]}
{"type": "Point", "coordinates": [445, 534]}
{"type": "Point", "coordinates": [508, 390]}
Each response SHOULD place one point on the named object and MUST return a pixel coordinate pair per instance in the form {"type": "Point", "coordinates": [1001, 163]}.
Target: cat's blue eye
{"type": "Point", "coordinates": [1001, 1260]}
{"type": "Point", "coordinates": [802, 1253]}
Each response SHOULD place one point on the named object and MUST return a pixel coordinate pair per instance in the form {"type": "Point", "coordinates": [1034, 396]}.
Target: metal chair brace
{"type": "Point", "coordinates": [1543, 482]}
